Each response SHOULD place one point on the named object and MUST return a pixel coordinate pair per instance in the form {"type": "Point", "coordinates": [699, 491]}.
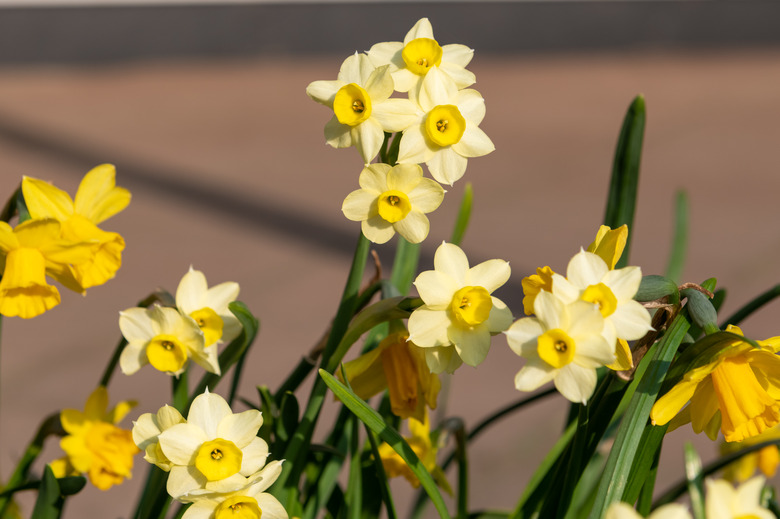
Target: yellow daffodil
{"type": "Point", "coordinates": [563, 343]}
{"type": "Point", "coordinates": [736, 391]}
{"type": "Point", "coordinates": [208, 307]}
{"type": "Point", "coordinates": [393, 199]}
{"type": "Point", "coordinates": [148, 428]}
{"type": "Point", "coordinates": [400, 367]}
{"type": "Point", "coordinates": [215, 450]}
{"type": "Point", "coordinates": [97, 199]}
{"type": "Point", "coordinates": [723, 501]}
{"type": "Point", "coordinates": [446, 133]}
{"type": "Point", "coordinates": [164, 338]}
{"type": "Point", "coordinates": [362, 107]}
{"type": "Point", "coordinates": [250, 502]}
{"type": "Point", "coordinates": [411, 59]}
{"type": "Point", "coordinates": [766, 459]}
{"type": "Point", "coordinates": [533, 284]}
{"type": "Point", "coordinates": [459, 314]}
{"type": "Point", "coordinates": [94, 445]}
{"type": "Point", "coordinates": [620, 510]}
{"type": "Point", "coordinates": [609, 244]}
{"type": "Point", "coordinates": [33, 249]}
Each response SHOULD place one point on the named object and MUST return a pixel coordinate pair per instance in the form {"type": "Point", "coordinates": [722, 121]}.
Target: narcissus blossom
{"type": "Point", "coordinates": [393, 199]}
{"type": "Point", "coordinates": [164, 338]}
{"type": "Point", "coordinates": [411, 60]}
{"type": "Point", "coordinates": [362, 108]}
{"type": "Point", "coordinates": [94, 445]}
{"type": "Point", "coordinates": [736, 391]}
{"type": "Point", "coordinates": [459, 314]}
{"type": "Point", "coordinates": [146, 432]}
{"type": "Point", "coordinates": [215, 450]}
{"type": "Point", "coordinates": [446, 132]}
{"type": "Point", "coordinates": [208, 307]}
{"type": "Point", "coordinates": [32, 250]}
{"type": "Point", "coordinates": [564, 344]}
{"type": "Point", "coordinates": [723, 501]}
{"type": "Point", "coordinates": [620, 510]}
{"type": "Point", "coordinates": [609, 244]}
{"type": "Point", "coordinates": [97, 199]}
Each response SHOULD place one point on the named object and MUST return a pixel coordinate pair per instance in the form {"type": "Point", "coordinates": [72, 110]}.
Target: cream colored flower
{"type": "Point", "coordinates": [411, 60]}
{"type": "Point", "coordinates": [208, 307]}
{"type": "Point", "coordinates": [446, 133]}
{"type": "Point", "coordinates": [362, 108]}
{"type": "Point", "coordinates": [620, 510]}
{"type": "Point", "coordinates": [148, 428]}
{"type": "Point", "coordinates": [164, 338]}
{"type": "Point", "coordinates": [393, 199]}
{"type": "Point", "coordinates": [459, 314]}
{"type": "Point", "coordinates": [725, 502]}
{"type": "Point", "coordinates": [216, 450]}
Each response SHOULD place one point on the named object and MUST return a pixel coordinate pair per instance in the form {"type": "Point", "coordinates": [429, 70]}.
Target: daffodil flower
{"type": "Point", "coordinates": [97, 199]}
{"type": "Point", "coordinates": [564, 344]}
{"type": "Point", "coordinates": [362, 107]}
{"type": "Point", "coordinates": [533, 284]}
{"type": "Point", "coordinates": [411, 59]}
{"type": "Point", "coordinates": [32, 250]}
{"type": "Point", "coordinates": [208, 307]}
{"type": "Point", "coordinates": [146, 432]}
{"type": "Point", "coordinates": [393, 199]}
{"type": "Point", "coordinates": [94, 444]}
{"type": "Point", "coordinates": [736, 391]}
{"type": "Point", "coordinates": [609, 244]}
{"type": "Point", "coordinates": [164, 338]}
{"type": "Point", "coordinates": [723, 501]}
{"type": "Point", "coordinates": [215, 450]}
{"type": "Point", "coordinates": [446, 133]}
{"type": "Point", "coordinates": [620, 510]}
{"type": "Point", "coordinates": [766, 459]}
{"type": "Point", "coordinates": [251, 502]}
{"type": "Point", "coordinates": [399, 366]}
{"type": "Point", "coordinates": [459, 313]}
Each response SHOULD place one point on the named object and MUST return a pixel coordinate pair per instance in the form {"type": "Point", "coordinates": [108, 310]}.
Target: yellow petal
{"type": "Point", "coordinates": [365, 374]}
{"type": "Point", "coordinates": [45, 200]}
{"type": "Point", "coordinates": [624, 360]}
{"type": "Point", "coordinates": [609, 244]}
{"type": "Point", "coordinates": [106, 253]}
{"type": "Point", "coordinates": [24, 291]}
{"type": "Point", "coordinates": [97, 404]}
{"type": "Point", "coordinates": [534, 284]}
{"type": "Point", "coordinates": [401, 376]}
{"type": "Point", "coordinates": [98, 198]}
{"type": "Point", "coordinates": [670, 404]}
{"type": "Point", "coordinates": [8, 240]}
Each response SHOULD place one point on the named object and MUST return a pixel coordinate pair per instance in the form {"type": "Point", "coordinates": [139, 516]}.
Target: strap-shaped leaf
{"type": "Point", "coordinates": [49, 502]}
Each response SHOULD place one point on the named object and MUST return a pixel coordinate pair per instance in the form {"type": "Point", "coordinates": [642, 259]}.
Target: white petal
{"type": "Point", "coordinates": [451, 260]}
{"type": "Point", "coordinates": [463, 78]}
{"type": "Point", "coordinates": [368, 137]}
{"type": "Point", "coordinates": [220, 296]}
{"type": "Point", "coordinates": [231, 327]}
{"type": "Point", "coordinates": [442, 359]}
{"type": "Point", "coordinates": [191, 292]}
{"type": "Point", "coordinates": [359, 205]}
{"type": "Point", "coordinates": [593, 351]}
{"type": "Point", "coordinates": [550, 310]}
{"type": "Point", "coordinates": [374, 178]}
{"type": "Point", "coordinates": [133, 358]}
{"type": "Point", "coordinates": [624, 282]}
{"type": "Point", "coordinates": [407, 81]}
{"type": "Point", "coordinates": [429, 327]}
{"type": "Point", "coordinates": [474, 143]}
{"type": "Point", "coordinates": [489, 274]}
{"type": "Point", "coordinates": [436, 288]}
{"type": "Point", "coordinates": [387, 53]}
{"type": "Point", "coordinates": [749, 495]}
{"type": "Point", "coordinates": [720, 495]}
{"type": "Point", "coordinates": [395, 115]}
{"type": "Point", "coordinates": [145, 430]}
{"type": "Point", "coordinates": [254, 456]}
{"type": "Point", "coordinates": [457, 54]}
{"type": "Point", "coordinates": [180, 443]}
{"type": "Point", "coordinates": [437, 89]}
{"type": "Point", "coordinates": [338, 135]}
{"type": "Point", "coordinates": [564, 290]}
{"type": "Point", "coordinates": [379, 85]}
{"type": "Point", "coordinates": [522, 336]}
{"type": "Point", "coordinates": [471, 105]}
{"type": "Point", "coordinates": [201, 509]}
{"type": "Point", "coordinates": [414, 148]}
{"type": "Point", "coordinates": [631, 321]}
{"type": "Point", "coordinates": [427, 196]}
{"type": "Point", "coordinates": [184, 479]}
{"type": "Point", "coordinates": [586, 269]}
{"type": "Point", "coordinates": [207, 411]}
{"type": "Point", "coordinates": [471, 344]}
{"type": "Point", "coordinates": [264, 479]}
{"type": "Point", "coordinates": [324, 91]}
{"type": "Point", "coordinates": [584, 319]}
{"type": "Point", "coordinates": [576, 383]}
{"type": "Point", "coordinates": [240, 428]}
{"type": "Point", "coordinates": [377, 230]}
{"type": "Point", "coordinates": [404, 177]}
{"type": "Point", "coordinates": [414, 227]}
{"type": "Point", "coordinates": [421, 29]}
{"type": "Point", "coordinates": [352, 69]}
{"type": "Point", "coordinates": [533, 375]}
{"type": "Point", "coordinates": [271, 507]}
{"type": "Point", "coordinates": [135, 325]}
{"type": "Point", "coordinates": [500, 317]}
{"type": "Point", "coordinates": [446, 166]}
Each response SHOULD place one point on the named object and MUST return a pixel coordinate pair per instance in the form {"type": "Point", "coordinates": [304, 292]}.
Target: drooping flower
{"type": "Point", "coordinates": [399, 366]}
{"type": "Point", "coordinates": [736, 391]}
{"type": "Point", "coordinates": [208, 307]}
{"type": "Point", "coordinates": [766, 460]}
{"type": "Point", "coordinates": [94, 445]}
{"type": "Point", "coordinates": [215, 450]}
{"type": "Point", "coordinates": [393, 199]}
{"type": "Point", "coordinates": [723, 501]}
{"type": "Point", "coordinates": [446, 132]}
{"type": "Point", "coordinates": [564, 344]}
{"type": "Point", "coordinates": [164, 338]}
{"type": "Point", "coordinates": [97, 199]}
{"type": "Point", "coordinates": [411, 59]}
{"type": "Point", "coordinates": [251, 502]}
{"type": "Point", "coordinates": [146, 432]}
{"type": "Point", "coordinates": [459, 314]}
{"type": "Point", "coordinates": [362, 107]}
{"type": "Point", "coordinates": [620, 510]}
{"type": "Point", "coordinates": [32, 250]}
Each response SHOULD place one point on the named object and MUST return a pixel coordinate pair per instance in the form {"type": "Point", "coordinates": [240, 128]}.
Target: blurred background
{"type": "Point", "coordinates": [202, 108]}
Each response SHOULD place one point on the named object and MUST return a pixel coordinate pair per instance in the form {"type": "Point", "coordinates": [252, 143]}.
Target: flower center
{"type": "Point", "coordinates": [210, 323]}
{"type": "Point", "coordinates": [166, 353]}
{"type": "Point", "coordinates": [556, 348]}
{"type": "Point", "coordinates": [421, 54]}
{"type": "Point", "coordinates": [444, 125]}
{"type": "Point", "coordinates": [238, 507]}
{"type": "Point", "coordinates": [602, 296]}
{"type": "Point", "coordinates": [471, 305]}
{"type": "Point", "coordinates": [352, 105]}
{"type": "Point", "coordinates": [218, 459]}
{"type": "Point", "coordinates": [393, 205]}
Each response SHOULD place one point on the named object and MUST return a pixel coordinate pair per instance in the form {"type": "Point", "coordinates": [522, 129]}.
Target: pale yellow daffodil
{"type": "Point", "coordinates": [208, 307]}
{"type": "Point", "coordinates": [393, 199]}
{"type": "Point", "coordinates": [32, 250]}
{"type": "Point", "coordinates": [411, 59]}
{"type": "Point", "coordinates": [723, 501]}
{"type": "Point", "coordinates": [147, 429]}
{"type": "Point", "coordinates": [446, 133]}
{"type": "Point", "coordinates": [460, 314]}
{"type": "Point", "coordinates": [164, 338]}
{"type": "Point", "coordinates": [736, 391]}
{"type": "Point", "coordinates": [362, 107]}
{"type": "Point", "coordinates": [94, 445]}
{"type": "Point", "coordinates": [620, 510]}
{"type": "Point", "coordinates": [97, 199]}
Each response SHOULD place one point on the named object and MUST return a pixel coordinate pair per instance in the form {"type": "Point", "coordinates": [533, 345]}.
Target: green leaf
{"type": "Point", "coordinates": [676, 264]}
{"type": "Point", "coordinates": [289, 412]}
{"type": "Point", "coordinates": [464, 215]}
{"type": "Point", "coordinates": [621, 201]}
{"type": "Point", "coordinates": [372, 419]}
{"type": "Point", "coordinates": [70, 485]}
{"type": "Point", "coordinates": [21, 207]}
{"type": "Point", "coordinates": [405, 265]}
{"type": "Point", "coordinates": [49, 502]}
{"type": "Point", "coordinates": [695, 482]}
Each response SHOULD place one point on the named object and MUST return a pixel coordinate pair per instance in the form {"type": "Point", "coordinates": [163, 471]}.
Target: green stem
{"type": "Point", "coordinates": [387, 496]}
{"type": "Point", "coordinates": [111, 367]}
